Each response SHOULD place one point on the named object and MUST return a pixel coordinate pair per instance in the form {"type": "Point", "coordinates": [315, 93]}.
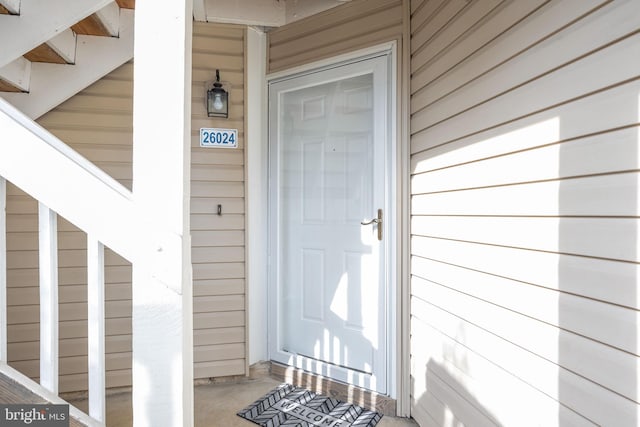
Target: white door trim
{"type": "Point", "coordinates": [336, 61]}
{"type": "Point", "coordinates": [394, 358]}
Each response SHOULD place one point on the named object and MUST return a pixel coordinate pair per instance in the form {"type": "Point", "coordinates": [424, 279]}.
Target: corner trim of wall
{"type": "Point", "coordinates": [256, 197]}
{"type": "Point", "coordinates": [403, 391]}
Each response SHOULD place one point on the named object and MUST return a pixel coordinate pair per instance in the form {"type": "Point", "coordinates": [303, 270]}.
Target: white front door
{"type": "Point", "coordinates": [328, 227]}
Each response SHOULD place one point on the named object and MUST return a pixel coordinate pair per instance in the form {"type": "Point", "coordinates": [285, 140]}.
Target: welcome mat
{"type": "Point", "coordinates": [287, 405]}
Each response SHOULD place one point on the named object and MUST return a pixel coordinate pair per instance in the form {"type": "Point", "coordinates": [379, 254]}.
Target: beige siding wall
{"type": "Point", "coordinates": [355, 25]}
{"type": "Point", "coordinates": [217, 177]}
{"type": "Point", "coordinates": [524, 140]}
{"type": "Point", "coordinates": [98, 123]}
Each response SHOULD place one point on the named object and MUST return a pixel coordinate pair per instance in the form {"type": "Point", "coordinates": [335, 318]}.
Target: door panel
{"type": "Point", "coordinates": [328, 141]}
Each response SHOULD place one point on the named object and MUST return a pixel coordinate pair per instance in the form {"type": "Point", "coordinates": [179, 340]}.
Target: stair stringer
{"type": "Point", "coordinates": [52, 84]}
{"type": "Point", "coordinates": [40, 21]}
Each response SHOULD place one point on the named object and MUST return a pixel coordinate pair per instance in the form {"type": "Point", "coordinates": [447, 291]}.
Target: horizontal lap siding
{"type": "Point", "coordinates": [524, 182]}
{"type": "Point", "coordinates": [358, 24]}
{"type": "Point", "coordinates": [97, 123]}
{"type": "Point", "coordinates": [217, 178]}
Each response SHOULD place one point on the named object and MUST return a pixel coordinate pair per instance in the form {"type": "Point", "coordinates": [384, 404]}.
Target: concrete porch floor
{"type": "Point", "coordinates": [215, 405]}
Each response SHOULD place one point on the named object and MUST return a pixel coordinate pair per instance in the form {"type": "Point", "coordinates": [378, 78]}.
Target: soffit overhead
{"type": "Point", "coordinates": [263, 13]}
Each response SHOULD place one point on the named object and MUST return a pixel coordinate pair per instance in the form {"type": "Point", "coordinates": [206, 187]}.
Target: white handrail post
{"type": "Point", "coordinates": [162, 292]}
{"type": "Point", "coordinates": [48, 239]}
{"type": "Point", "coordinates": [96, 320]}
{"type": "Point", "coordinates": [3, 271]}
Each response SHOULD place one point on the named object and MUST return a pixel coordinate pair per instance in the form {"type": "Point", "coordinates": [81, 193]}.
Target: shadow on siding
{"type": "Point", "coordinates": [450, 412]}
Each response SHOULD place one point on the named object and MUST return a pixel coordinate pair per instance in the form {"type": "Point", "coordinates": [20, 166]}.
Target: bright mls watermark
{"type": "Point", "coordinates": [45, 415]}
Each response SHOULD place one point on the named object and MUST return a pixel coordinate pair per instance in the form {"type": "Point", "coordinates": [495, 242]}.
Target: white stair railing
{"type": "Point", "coordinates": [44, 167]}
{"type": "Point", "coordinates": [49, 319]}
{"type": "Point", "coordinates": [48, 272]}
{"type": "Point", "coordinates": [96, 335]}
{"type": "Point", "coordinates": [3, 271]}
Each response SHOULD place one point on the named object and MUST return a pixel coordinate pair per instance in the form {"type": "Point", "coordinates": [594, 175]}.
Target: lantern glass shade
{"type": "Point", "coordinates": [217, 101]}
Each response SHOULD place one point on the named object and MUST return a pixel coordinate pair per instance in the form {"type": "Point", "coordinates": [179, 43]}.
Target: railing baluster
{"type": "Point", "coordinates": [3, 271]}
{"type": "Point", "coordinates": [96, 320]}
{"type": "Point", "coordinates": [48, 238]}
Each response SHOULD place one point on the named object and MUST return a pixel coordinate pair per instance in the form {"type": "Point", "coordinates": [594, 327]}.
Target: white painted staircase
{"type": "Point", "coordinates": [147, 228]}
{"type": "Point", "coordinates": [52, 50]}
{"type": "Point", "coordinates": [49, 56]}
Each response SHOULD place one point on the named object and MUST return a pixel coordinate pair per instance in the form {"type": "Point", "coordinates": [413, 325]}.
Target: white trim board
{"type": "Point", "coordinates": [257, 199]}
{"type": "Point", "coordinates": [334, 61]}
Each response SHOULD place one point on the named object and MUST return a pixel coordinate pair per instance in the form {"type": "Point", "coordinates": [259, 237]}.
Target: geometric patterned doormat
{"type": "Point", "coordinates": [287, 405]}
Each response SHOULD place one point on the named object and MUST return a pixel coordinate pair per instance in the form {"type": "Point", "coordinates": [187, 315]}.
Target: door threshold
{"type": "Point", "coordinates": [345, 392]}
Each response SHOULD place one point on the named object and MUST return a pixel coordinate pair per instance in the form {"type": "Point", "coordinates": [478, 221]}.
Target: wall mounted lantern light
{"type": "Point", "coordinates": [217, 98]}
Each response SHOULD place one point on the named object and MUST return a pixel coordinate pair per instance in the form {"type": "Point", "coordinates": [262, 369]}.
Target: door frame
{"type": "Point", "coordinates": [397, 359]}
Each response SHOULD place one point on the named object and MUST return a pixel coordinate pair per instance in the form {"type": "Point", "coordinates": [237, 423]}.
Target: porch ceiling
{"type": "Point", "coordinates": [265, 13]}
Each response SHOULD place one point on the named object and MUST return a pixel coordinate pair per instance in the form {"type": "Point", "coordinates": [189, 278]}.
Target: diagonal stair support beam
{"type": "Point", "coordinates": [40, 21]}
{"type": "Point", "coordinates": [52, 84]}
{"type": "Point", "coordinates": [68, 184]}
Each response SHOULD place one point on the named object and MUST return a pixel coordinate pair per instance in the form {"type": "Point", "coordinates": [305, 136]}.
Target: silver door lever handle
{"type": "Point", "coordinates": [373, 221]}
{"type": "Point", "coordinates": [377, 221]}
